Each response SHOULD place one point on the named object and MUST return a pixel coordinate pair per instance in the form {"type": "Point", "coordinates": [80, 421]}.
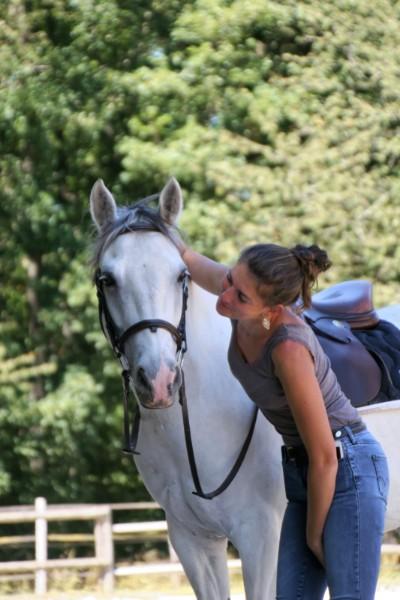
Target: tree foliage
{"type": "Point", "coordinates": [280, 120]}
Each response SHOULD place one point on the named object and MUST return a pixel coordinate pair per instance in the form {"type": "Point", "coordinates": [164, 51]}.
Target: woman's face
{"type": "Point", "coordinates": [239, 298]}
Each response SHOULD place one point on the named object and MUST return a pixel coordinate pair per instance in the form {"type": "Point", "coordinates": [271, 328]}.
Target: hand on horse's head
{"type": "Point", "coordinates": [177, 240]}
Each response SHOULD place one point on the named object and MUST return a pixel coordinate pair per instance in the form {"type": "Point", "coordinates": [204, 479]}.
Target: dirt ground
{"type": "Point", "coordinates": [384, 593]}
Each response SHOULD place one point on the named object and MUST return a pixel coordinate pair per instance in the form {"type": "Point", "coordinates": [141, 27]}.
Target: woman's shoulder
{"type": "Point", "coordinates": [292, 330]}
{"type": "Point", "coordinates": [292, 337]}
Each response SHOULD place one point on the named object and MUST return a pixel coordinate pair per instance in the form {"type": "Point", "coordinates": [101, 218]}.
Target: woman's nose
{"type": "Point", "coordinates": [226, 292]}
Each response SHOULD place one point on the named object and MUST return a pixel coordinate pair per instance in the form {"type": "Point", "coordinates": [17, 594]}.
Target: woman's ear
{"type": "Point", "coordinates": [272, 312]}
{"type": "Point", "coordinates": [277, 310]}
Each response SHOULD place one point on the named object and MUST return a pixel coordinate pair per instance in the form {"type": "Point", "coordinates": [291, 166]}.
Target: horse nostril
{"type": "Point", "coordinates": [142, 379]}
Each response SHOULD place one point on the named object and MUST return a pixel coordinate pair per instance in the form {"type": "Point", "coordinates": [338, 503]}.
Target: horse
{"type": "Point", "coordinates": [142, 277]}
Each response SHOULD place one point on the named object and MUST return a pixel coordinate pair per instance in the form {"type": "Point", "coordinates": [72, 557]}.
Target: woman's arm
{"type": "Point", "coordinates": [205, 272]}
{"type": "Point", "coordinates": [295, 369]}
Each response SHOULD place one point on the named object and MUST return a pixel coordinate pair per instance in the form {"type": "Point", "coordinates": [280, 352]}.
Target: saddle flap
{"type": "Point", "coordinates": [358, 373]}
{"type": "Point", "coordinates": [339, 331]}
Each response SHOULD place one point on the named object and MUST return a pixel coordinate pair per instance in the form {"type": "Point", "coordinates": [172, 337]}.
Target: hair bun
{"type": "Point", "coordinates": [312, 260]}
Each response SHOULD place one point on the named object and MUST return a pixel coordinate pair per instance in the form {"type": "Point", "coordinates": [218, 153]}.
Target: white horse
{"type": "Point", "coordinates": [142, 272]}
{"type": "Point", "coordinates": [383, 420]}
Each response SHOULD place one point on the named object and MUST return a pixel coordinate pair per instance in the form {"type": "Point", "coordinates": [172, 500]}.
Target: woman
{"type": "Point", "coordinates": [335, 472]}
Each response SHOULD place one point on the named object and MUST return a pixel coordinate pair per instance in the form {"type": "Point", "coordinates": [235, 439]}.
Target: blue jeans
{"type": "Point", "coordinates": [353, 529]}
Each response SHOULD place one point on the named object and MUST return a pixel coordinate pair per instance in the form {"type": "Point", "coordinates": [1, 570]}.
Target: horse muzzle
{"type": "Point", "coordinates": [160, 391]}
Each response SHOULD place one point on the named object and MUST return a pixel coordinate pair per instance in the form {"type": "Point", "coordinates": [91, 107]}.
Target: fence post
{"type": "Point", "coordinates": [104, 549]}
{"type": "Point", "coordinates": [40, 544]}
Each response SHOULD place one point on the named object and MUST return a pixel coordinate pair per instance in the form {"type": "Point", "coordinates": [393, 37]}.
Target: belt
{"type": "Point", "coordinates": [298, 454]}
{"type": "Point", "coordinates": [354, 428]}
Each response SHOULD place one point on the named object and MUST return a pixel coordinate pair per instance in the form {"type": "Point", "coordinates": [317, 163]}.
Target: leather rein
{"type": "Point", "coordinates": [117, 342]}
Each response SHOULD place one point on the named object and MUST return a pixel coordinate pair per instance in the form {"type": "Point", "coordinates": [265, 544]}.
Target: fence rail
{"type": "Point", "coordinates": [105, 532]}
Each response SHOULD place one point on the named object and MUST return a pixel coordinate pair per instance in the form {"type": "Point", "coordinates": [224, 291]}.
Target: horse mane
{"type": "Point", "coordinates": [136, 217]}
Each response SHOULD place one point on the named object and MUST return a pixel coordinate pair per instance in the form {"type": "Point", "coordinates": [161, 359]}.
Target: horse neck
{"type": "Point", "coordinates": [213, 393]}
{"type": "Point", "coordinates": [206, 363]}
{"type": "Point", "coordinates": [208, 333]}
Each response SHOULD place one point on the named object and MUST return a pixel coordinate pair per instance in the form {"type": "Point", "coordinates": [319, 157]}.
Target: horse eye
{"type": "Point", "coordinates": [107, 279]}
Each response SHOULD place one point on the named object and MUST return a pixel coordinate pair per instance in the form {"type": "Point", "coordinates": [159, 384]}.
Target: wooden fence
{"type": "Point", "coordinates": [40, 514]}
{"type": "Point", "coordinates": [105, 532]}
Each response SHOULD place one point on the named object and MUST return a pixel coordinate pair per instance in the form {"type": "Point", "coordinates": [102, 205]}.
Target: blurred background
{"type": "Point", "coordinates": [280, 120]}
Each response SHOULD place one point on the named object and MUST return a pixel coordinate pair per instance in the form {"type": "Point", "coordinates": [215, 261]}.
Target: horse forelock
{"type": "Point", "coordinates": [138, 217]}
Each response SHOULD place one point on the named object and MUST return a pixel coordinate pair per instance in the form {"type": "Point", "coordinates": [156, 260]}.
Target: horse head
{"type": "Point", "coordinates": [140, 276]}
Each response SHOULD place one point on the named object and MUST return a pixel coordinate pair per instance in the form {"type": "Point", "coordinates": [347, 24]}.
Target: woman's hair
{"type": "Point", "coordinates": [285, 275]}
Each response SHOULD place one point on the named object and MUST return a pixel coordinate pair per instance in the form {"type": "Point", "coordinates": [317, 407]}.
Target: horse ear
{"type": "Point", "coordinates": [171, 202]}
{"type": "Point", "coordinates": [102, 205]}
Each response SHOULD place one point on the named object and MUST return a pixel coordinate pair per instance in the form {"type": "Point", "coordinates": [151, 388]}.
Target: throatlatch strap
{"type": "Point", "coordinates": [190, 451]}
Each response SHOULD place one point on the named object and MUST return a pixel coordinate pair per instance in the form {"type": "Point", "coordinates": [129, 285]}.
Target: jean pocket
{"type": "Point", "coordinates": [382, 474]}
{"type": "Point", "coordinates": [344, 477]}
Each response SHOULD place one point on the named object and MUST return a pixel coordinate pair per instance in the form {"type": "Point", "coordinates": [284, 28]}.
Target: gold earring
{"type": "Point", "coordinates": [266, 323]}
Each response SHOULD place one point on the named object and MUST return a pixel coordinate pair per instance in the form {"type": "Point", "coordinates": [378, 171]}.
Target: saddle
{"type": "Point", "coordinates": [349, 301]}
{"type": "Point", "coordinates": [336, 316]}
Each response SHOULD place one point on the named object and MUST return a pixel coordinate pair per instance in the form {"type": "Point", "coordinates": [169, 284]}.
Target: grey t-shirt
{"type": "Point", "coordinates": [259, 380]}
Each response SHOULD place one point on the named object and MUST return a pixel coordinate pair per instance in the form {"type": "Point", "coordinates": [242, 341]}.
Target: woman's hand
{"type": "Point", "coordinates": [178, 241]}
{"type": "Point", "coordinates": [317, 549]}
{"type": "Point", "coordinates": [205, 272]}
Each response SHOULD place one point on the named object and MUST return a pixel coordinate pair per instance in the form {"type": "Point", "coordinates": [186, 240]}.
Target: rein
{"type": "Point", "coordinates": [132, 426]}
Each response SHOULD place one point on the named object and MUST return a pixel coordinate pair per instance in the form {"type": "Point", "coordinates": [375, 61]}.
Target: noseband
{"type": "Point", "coordinates": [132, 425]}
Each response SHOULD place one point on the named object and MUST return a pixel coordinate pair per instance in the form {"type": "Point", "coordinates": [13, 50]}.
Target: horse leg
{"type": "Point", "coordinates": [203, 559]}
{"type": "Point", "coordinates": [257, 543]}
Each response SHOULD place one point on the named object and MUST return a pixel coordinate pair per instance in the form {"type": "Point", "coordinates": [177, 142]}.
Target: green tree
{"type": "Point", "coordinates": [63, 105]}
{"type": "Point", "coordinates": [284, 117]}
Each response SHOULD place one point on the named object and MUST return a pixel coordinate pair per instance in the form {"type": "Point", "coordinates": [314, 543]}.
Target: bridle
{"type": "Point", "coordinates": [117, 342]}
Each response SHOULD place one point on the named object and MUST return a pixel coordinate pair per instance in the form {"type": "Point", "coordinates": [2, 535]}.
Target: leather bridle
{"type": "Point", "coordinates": [132, 425]}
